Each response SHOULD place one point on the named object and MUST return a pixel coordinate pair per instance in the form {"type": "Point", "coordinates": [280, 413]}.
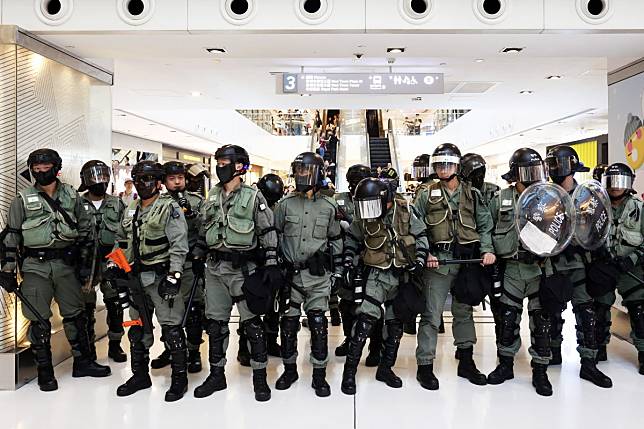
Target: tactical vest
{"type": "Point", "coordinates": [424, 186]}
{"type": "Point", "coordinates": [383, 243]}
{"type": "Point", "coordinates": [105, 221]}
{"type": "Point", "coordinates": [626, 234]}
{"type": "Point", "coordinates": [154, 247]}
{"type": "Point", "coordinates": [43, 226]}
{"type": "Point", "coordinates": [235, 229]}
{"type": "Point", "coordinates": [196, 203]}
{"type": "Point", "coordinates": [489, 190]}
{"type": "Point", "coordinates": [505, 237]}
{"type": "Point", "coordinates": [441, 221]}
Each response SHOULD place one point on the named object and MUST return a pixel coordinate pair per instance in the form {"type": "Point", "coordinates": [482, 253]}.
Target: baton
{"type": "Point", "coordinates": [30, 306]}
{"type": "Point", "coordinates": [193, 290]}
{"type": "Point", "coordinates": [459, 261]}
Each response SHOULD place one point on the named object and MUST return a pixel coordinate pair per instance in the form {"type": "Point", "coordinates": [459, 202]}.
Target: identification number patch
{"type": "Point", "coordinates": [340, 202]}
{"type": "Point", "coordinates": [32, 198]}
{"type": "Point", "coordinates": [436, 193]}
{"type": "Point", "coordinates": [506, 203]}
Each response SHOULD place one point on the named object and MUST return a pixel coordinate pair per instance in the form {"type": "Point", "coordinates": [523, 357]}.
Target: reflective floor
{"type": "Point", "coordinates": [92, 403]}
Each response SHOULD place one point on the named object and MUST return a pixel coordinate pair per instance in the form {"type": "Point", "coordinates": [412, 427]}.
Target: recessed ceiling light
{"type": "Point", "coordinates": [479, 60]}
{"type": "Point", "coordinates": [122, 114]}
{"type": "Point", "coordinates": [442, 64]}
{"type": "Point", "coordinates": [539, 129]}
{"type": "Point", "coordinates": [526, 92]}
{"type": "Point", "coordinates": [216, 50]}
{"type": "Point", "coordinates": [395, 50]}
{"type": "Point", "coordinates": [417, 99]}
{"type": "Point", "coordinates": [196, 93]}
{"type": "Point", "coordinates": [511, 50]}
{"type": "Point", "coordinates": [173, 131]}
{"type": "Point", "coordinates": [521, 135]}
{"type": "Point", "coordinates": [554, 77]}
{"type": "Point", "coordinates": [150, 124]}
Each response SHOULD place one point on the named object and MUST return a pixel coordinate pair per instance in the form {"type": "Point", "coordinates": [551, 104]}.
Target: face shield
{"type": "Point", "coordinates": [560, 166]}
{"type": "Point", "coordinates": [369, 208]}
{"type": "Point", "coordinates": [96, 174]}
{"type": "Point", "coordinates": [146, 186]}
{"type": "Point", "coordinates": [445, 166]}
{"type": "Point", "coordinates": [422, 171]}
{"type": "Point", "coordinates": [617, 181]}
{"type": "Point", "coordinates": [531, 173]}
{"type": "Point", "coordinates": [305, 176]}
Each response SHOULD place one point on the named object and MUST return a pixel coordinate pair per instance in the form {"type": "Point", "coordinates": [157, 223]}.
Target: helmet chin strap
{"type": "Point", "coordinates": [448, 178]}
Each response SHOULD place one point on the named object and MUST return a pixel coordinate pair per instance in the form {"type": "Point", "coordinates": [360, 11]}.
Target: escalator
{"type": "Point", "coordinates": [379, 152]}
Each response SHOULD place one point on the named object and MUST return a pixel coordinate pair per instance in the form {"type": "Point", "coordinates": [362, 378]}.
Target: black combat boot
{"type": "Point", "coordinates": [243, 354]}
{"type": "Point", "coordinates": [115, 352]}
{"type": "Point", "coordinates": [40, 336]}
{"type": "Point", "coordinates": [176, 343]}
{"type": "Point", "coordinates": [362, 328]}
{"type": "Point", "coordinates": [390, 354]}
{"type": "Point", "coordinates": [375, 345]}
{"type": "Point", "coordinates": [260, 386]}
{"type": "Point", "coordinates": [504, 371]}
{"type": "Point", "coordinates": [217, 334]}
{"type": "Point", "coordinates": [139, 361]}
{"type": "Point", "coordinates": [194, 361]}
{"type": "Point", "coordinates": [336, 319]}
{"type": "Point", "coordinates": [319, 383]}
{"type": "Point", "coordinates": [115, 328]}
{"type": "Point", "coordinates": [162, 360]}
{"type": "Point", "coordinates": [343, 348]}
{"type": "Point", "coordinates": [540, 379]}
{"type": "Point", "coordinates": [556, 356]}
{"type": "Point", "coordinates": [590, 372]}
{"type": "Point", "coordinates": [426, 378]}
{"type": "Point", "coordinates": [467, 367]}
{"type": "Point", "coordinates": [289, 326]}
{"type": "Point", "coordinates": [84, 365]}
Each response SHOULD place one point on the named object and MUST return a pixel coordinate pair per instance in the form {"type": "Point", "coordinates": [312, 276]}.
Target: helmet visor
{"type": "Point", "coordinates": [532, 173]}
{"type": "Point", "coordinates": [96, 174]}
{"type": "Point", "coordinates": [560, 166]}
{"type": "Point", "coordinates": [306, 174]}
{"type": "Point", "coordinates": [445, 165]}
{"type": "Point", "coordinates": [422, 172]}
{"type": "Point", "coordinates": [617, 181]}
{"type": "Point", "coordinates": [369, 208]}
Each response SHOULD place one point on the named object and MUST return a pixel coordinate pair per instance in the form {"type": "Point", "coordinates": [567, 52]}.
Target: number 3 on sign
{"type": "Point", "coordinates": [290, 83]}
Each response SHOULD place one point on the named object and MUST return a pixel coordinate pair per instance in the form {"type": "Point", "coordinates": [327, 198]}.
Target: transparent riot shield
{"type": "Point", "coordinates": [594, 215]}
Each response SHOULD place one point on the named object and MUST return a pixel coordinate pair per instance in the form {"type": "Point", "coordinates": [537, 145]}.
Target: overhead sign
{"type": "Point", "coordinates": [361, 83]}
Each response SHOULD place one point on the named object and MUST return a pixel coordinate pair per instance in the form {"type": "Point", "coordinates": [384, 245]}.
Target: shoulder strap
{"type": "Point", "coordinates": [55, 204]}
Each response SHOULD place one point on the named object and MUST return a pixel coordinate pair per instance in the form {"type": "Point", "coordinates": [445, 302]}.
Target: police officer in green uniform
{"type": "Point", "coordinates": [154, 237]}
{"type": "Point", "coordinates": [458, 225]}
{"type": "Point", "coordinates": [191, 204]}
{"type": "Point", "coordinates": [598, 171]}
{"type": "Point", "coordinates": [106, 212]}
{"type": "Point", "coordinates": [473, 169]}
{"type": "Point", "coordinates": [47, 225]}
{"type": "Point", "coordinates": [563, 162]}
{"type": "Point", "coordinates": [521, 279]}
{"type": "Point", "coordinates": [308, 223]}
{"type": "Point", "coordinates": [391, 239]}
{"type": "Point", "coordinates": [346, 210]}
{"type": "Point", "coordinates": [421, 170]}
{"type": "Point", "coordinates": [238, 230]}
{"type": "Point", "coordinates": [626, 245]}
{"type": "Point", "coordinates": [196, 177]}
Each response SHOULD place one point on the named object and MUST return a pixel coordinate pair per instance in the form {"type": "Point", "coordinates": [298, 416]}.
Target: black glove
{"type": "Point", "coordinates": [417, 267]}
{"type": "Point", "coordinates": [198, 267]}
{"type": "Point", "coordinates": [624, 263]}
{"type": "Point", "coordinates": [187, 208]}
{"type": "Point", "coordinates": [113, 272]}
{"type": "Point", "coordinates": [169, 286]}
{"type": "Point", "coordinates": [337, 281]}
{"type": "Point", "coordinates": [8, 281]}
{"type": "Point", "coordinates": [273, 276]}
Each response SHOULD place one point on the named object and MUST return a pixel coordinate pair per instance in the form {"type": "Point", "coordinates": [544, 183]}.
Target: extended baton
{"type": "Point", "coordinates": [459, 261]}
{"type": "Point", "coordinates": [30, 306]}
{"type": "Point", "coordinates": [193, 290]}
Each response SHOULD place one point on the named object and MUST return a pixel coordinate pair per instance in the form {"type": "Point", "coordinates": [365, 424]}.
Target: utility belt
{"type": "Point", "coordinates": [69, 255]}
{"type": "Point", "coordinates": [237, 259]}
{"type": "Point", "coordinates": [457, 250]}
{"type": "Point", "coordinates": [525, 257]}
{"type": "Point", "coordinates": [316, 264]}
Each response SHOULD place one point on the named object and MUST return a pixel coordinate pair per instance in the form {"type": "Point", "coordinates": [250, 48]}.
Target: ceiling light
{"type": "Point", "coordinates": [511, 50]}
{"type": "Point", "coordinates": [526, 92]}
{"type": "Point", "coordinates": [196, 93]}
{"type": "Point", "coordinates": [554, 77]}
{"type": "Point", "coordinates": [122, 114]}
{"type": "Point", "coordinates": [539, 129]}
{"type": "Point", "coordinates": [442, 64]}
{"type": "Point", "coordinates": [521, 135]}
{"type": "Point", "coordinates": [216, 50]}
{"type": "Point", "coordinates": [305, 95]}
{"type": "Point", "coordinates": [479, 60]}
{"type": "Point", "coordinates": [173, 131]}
{"type": "Point", "coordinates": [395, 50]}
{"type": "Point", "coordinates": [417, 99]}
{"type": "Point", "coordinates": [151, 124]}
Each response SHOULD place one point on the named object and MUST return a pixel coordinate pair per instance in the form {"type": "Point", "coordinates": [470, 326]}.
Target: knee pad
{"type": "Point", "coordinates": [509, 328]}
{"type": "Point", "coordinates": [289, 326]}
{"type": "Point", "coordinates": [636, 314]}
{"type": "Point", "coordinates": [363, 326]}
{"type": "Point", "coordinates": [39, 334]}
{"type": "Point", "coordinates": [216, 329]}
{"type": "Point", "coordinates": [586, 325]}
{"type": "Point", "coordinates": [175, 339]}
{"type": "Point", "coordinates": [394, 329]}
{"type": "Point", "coordinates": [254, 329]}
{"type": "Point", "coordinates": [541, 332]}
{"type": "Point", "coordinates": [319, 327]}
{"type": "Point", "coordinates": [135, 335]}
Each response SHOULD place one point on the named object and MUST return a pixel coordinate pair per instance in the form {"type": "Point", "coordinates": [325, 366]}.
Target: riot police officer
{"type": "Point", "coordinates": [196, 175]}
{"type": "Point", "coordinates": [626, 246]}
{"type": "Point", "coordinates": [473, 169]}
{"type": "Point", "coordinates": [47, 225]}
{"type": "Point", "coordinates": [521, 279]}
{"type": "Point", "coordinates": [191, 204]}
{"type": "Point", "coordinates": [458, 225]}
{"type": "Point", "coordinates": [346, 209]}
{"type": "Point", "coordinates": [391, 239]}
{"type": "Point", "coordinates": [421, 171]}
{"type": "Point", "coordinates": [238, 231]}
{"type": "Point", "coordinates": [563, 162]}
{"type": "Point", "coordinates": [308, 224]}
{"type": "Point", "coordinates": [598, 171]}
{"type": "Point", "coordinates": [154, 238]}
{"type": "Point", "coordinates": [106, 212]}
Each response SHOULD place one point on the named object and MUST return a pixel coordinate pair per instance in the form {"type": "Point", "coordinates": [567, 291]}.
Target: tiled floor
{"type": "Point", "coordinates": [92, 403]}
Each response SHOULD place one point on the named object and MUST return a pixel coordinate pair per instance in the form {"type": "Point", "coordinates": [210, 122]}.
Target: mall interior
{"type": "Point", "coordinates": [370, 82]}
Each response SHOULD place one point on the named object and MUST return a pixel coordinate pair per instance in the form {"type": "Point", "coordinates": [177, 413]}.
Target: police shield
{"type": "Point", "coordinates": [594, 215]}
{"type": "Point", "coordinates": [545, 219]}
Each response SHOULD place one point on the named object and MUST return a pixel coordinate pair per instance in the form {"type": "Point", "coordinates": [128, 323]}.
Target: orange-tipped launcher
{"type": "Point", "coordinates": [118, 257]}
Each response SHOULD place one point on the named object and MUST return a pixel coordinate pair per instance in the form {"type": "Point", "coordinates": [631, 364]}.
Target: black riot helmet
{"type": "Point", "coordinates": [598, 171]}
{"type": "Point", "coordinates": [45, 156]}
{"type": "Point", "coordinates": [526, 166]}
{"type": "Point", "coordinates": [174, 168]}
{"type": "Point", "coordinates": [618, 176]}
{"type": "Point", "coordinates": [421, 169]}
{"type": "Point", "coordinates": [146, 174]}
{"type": "Point", "coordinates": [236, 154]}
{"type": "Point", "coordinates": [473, 169]}
{"type": "Point", "coordinates": [272, 187]}
{"type": "Point", "coordinates": [446, 159]}
{"type": "Point", "coordinates": [563, 161]}
{"type": "Point", "coordinates": [371, 198]}
{"type": "Point", "coordinates": [308, 171]}
{"type": "Point", "coordinates": [355, 174]}
{"type": "Point", "coordinates": [95, 176]}
{"type": "Point", "coordinates": [196, 177]}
